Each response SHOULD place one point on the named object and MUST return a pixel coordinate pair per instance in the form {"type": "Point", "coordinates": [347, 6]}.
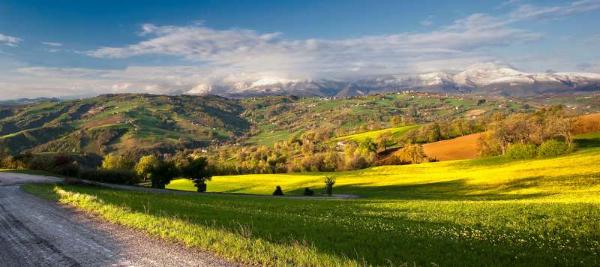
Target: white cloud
{"type": "Point", "coordinates": [427, 22]}
{"type": "Point", "coordinates": [9, 40]}
{"type": "Point", "coordinates": [53, 44]}
{"type": "Point", "coordinates": [253, 53]}
{"type": "Point", "coordinates": [527, 12]}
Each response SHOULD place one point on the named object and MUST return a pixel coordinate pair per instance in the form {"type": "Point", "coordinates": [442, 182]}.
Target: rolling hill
{"type": "Point", "coordinates": [165, 124]}
{"type": "Point", "coordinates": [121, 122]}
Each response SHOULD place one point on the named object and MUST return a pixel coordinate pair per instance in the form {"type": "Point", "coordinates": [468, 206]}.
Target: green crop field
{"type": "Point", "coordinates": [474, 212]}
{"type": "Point", "coordinates": [361, 137]}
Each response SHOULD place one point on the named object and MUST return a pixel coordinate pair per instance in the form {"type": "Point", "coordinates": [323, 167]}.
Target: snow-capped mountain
{"type": "Point", "coordinates": [486, 78]}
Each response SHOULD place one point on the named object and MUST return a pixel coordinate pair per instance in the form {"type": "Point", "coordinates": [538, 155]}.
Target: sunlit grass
{"type": "Point", "coordinates": [361, 137]}
{"type": "Point", "coordinates": [552, 178]}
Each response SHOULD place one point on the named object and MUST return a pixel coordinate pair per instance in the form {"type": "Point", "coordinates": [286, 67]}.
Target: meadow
{"type": "Point", "coordinates": [396, 132]}
{"type": "Point", "coordinates": [473, 212]}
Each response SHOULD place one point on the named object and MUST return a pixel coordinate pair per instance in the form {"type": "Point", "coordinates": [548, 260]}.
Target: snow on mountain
{"type": "Point", "coordinates": [486, 78]}
{"type": "Point", "coordinates": [487, 73]}
{"type": "Point", "coordinates": [435, 78]}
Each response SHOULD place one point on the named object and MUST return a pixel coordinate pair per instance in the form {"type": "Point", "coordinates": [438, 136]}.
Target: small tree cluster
{"type": "Point", "coordinates": [161, 172]}
{"type": "Point", "coordinates": [520, 135]}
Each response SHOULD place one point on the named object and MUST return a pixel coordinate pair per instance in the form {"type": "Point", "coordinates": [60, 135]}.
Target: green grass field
{"type": "Point", "coordinates": [475, 212]}
{"type": "Point", "coordinates": [361, 137]}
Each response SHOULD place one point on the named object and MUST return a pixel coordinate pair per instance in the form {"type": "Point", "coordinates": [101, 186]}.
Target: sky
{"type": "Point", "coordinates": [81, 48]}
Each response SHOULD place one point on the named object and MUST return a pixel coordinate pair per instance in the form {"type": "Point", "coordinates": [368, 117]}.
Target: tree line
{"type": "Point", "coordinates": [545, 132]}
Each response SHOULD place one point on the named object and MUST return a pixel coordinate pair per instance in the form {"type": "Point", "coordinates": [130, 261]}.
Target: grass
{"type": "Point", "coordinates": [474, 212]}
{"type": "Point", "coordinates": [361, 137]}
{"type": "Point", "coordinates": [268, 136]}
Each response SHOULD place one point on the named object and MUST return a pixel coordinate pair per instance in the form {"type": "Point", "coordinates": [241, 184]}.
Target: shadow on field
{"type": "Point", "coordinates": [453, 190]}
{"type": "Point", "coordinates": [447, 190]}
{"type": "Point", "coordinates": [587, 142]}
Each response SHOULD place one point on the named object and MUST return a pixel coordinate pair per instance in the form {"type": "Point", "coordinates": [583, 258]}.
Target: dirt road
{"type": "Point", "coordinates": [35, 232]}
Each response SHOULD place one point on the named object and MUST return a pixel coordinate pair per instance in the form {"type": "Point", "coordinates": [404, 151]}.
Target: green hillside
{"type": "Point", "coordinates": [121, 122]}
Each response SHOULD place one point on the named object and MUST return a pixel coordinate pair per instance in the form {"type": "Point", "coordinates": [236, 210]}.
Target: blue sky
{"type": "Point", "coordinates": [80, 48]}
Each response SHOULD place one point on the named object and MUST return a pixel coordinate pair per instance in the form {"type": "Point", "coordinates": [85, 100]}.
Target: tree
{"type": "Point", "coordinates": [412, 153]}
{"type": "Point", "coordinates": [385, 140]}
{"type": "Point", "coordinates": [162, 174]}
{"type": "Point", "coordinates": [117, 162]}
{"type": "Point", "coordinates": [396, 121]}
{"type": "Point", "coordinates": [197, 170]}
{"type": "Point", "coordinates": [145, 167]}
{"type": "Point", "coordinates": [369, 145]}
{"type": "Point", "coordinates": [278, 191]}
{"type": "Point", "coordinates": [435, 132]}
{"type": "Point", "coordinates": [329, 182]}
{"type": "Point", "coordinates": [563, 127]}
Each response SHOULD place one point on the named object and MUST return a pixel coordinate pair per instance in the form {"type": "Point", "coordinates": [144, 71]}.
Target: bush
{"type": "Point", "coordinates": [521, 151]}
{"type": "Point", "coordinates": [109, 176]}
{"type": "Point", "coordinates": [118, 162]}
{"type": "Point", "coordinates": [41, 163]}
{"type": "Point", "coordinates": [70, 169]}
{"type": "Point", "coordinates": [278, 191]}
{"type": "Point", "coordinates": [329, 182]}
{"type": "Point", "coordinates": [552, 148]}
{"type": "Point", "coordinates": [308, 192]}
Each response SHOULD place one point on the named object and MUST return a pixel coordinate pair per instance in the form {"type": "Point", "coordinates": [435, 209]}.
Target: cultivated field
{"type": "Point", "coordinates": [464, 147]}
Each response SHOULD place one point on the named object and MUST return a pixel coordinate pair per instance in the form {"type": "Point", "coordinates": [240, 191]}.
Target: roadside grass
{"type": "Point", "coordinates": [489, 211]}
{"type": "Point", "coordinates": [449, 228]}
{"type": "Point", "coordinates": [361, 137]}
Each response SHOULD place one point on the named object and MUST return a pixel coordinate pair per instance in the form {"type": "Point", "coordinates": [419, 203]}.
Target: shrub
{"type": "Point", "coordinates": [109, 176]}
{"type": "Point", "coordinates": [521, 151]}
{"type": "Point", "coordinates": [552, 148]}
{"type": "Point", "coordinates": [329, 182]}
{"type": "Point", "coordinates": [70, 169]}
{"type": "Point", "coordinates": [278, 191]}
{"type": "Point", "coordinates": [118, 162]}
{"type": "Point", "coordinates": [145, 166]}
{"type": "Point", "coordinates": [64, 165]}
{"type": "Point", "coordinates": [412, 153]}
{"type": "Point", "coordinates": [308, 192]}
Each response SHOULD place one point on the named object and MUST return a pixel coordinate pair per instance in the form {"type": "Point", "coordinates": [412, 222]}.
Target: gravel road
{"type": "Point", "coordinates": [36, 232]}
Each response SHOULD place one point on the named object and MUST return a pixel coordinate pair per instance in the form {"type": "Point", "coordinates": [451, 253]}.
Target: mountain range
{"type": "Point", "coordinates": [484, 78]}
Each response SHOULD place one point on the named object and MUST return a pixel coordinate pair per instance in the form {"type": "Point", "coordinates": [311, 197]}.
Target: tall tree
{"type": "Point", "coordinates": [197, 170]}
